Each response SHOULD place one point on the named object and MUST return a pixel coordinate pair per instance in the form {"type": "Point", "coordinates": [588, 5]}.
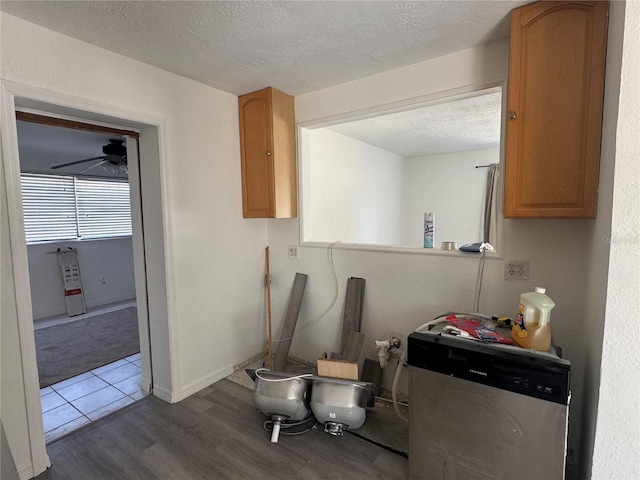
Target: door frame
{"type": "Point", "coordinates": [150, 251]}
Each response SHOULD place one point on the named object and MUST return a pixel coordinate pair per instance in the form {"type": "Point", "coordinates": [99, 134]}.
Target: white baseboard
{"type": "Point", "coordinates": [49, 313]}
{"type": "Point", "coordinates": [25, 472]}
{"type": "Point", "coordinates": [95, 304]}
{"type": "Point", "coordinates": [162, 394]}
{"type": "Point", "coordinates": [203, 382]}
{"type": "Point", "coordinates": [145, 384]}
{"type": "Point", "coordinates": [108, 301]}
{"type": "Point", "coordinates": [249, 361]}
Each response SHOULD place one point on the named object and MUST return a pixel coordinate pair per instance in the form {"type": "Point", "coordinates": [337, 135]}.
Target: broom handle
{"type": "Point", "coordinates": [270, 347]}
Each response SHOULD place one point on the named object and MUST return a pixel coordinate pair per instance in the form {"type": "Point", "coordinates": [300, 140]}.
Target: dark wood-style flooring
{"type": "Point", "coordinates": [216, 433]}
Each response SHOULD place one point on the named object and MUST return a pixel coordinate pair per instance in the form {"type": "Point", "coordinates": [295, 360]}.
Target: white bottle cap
{"type": "Point", "coordinates": [540, 290]}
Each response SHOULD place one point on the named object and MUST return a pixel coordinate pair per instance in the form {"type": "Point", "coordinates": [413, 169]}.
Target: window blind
{"type": "Point", "coordinates": [104, 208]}
{"type": "Point", "coordinates": [58, 207]}
{"type": "Point", "coordinates": [49, 206]}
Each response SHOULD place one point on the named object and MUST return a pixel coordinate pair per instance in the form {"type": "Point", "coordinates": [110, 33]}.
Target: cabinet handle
{"type": "Point", "coordinates": [268, 154]}
{"type": "Point", "coordinates": [512, 115]}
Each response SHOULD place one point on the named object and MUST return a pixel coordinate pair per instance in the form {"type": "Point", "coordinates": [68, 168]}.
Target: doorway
{"type": "Point", "coordinates": [152, 291]}
{"type": "Point", "coordinates": [77, 217]}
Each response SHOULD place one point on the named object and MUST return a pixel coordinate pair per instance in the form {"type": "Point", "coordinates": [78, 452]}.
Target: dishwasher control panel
{"type": "Point", "coordinates": [533, 375]}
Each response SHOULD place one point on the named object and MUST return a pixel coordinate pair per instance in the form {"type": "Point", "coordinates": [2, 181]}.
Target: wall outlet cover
{"type": "Point", "coordinates": [516, 270]}
{"type": "Point", "coordinates": [293, 252]}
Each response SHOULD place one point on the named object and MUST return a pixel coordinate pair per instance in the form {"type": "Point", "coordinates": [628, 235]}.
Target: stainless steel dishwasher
{"type": "Point", "coordinates": [485, 411]}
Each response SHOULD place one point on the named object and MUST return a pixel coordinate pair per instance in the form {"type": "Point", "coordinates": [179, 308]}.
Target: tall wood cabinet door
{"type": "Point", "coordinates": [555, 98]}
{"type": "Point", "coordinates": [284, 145]}
{"type": "Point", "coordinates": [268, 153]}
{"type": "Point", "coordinates": [256, 144]}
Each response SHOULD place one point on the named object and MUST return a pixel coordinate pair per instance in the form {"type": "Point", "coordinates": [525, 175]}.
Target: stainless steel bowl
{"type": "Point", "coordinates": [282, 395]}
{"type": "Point", "coordinates": [339, 404]}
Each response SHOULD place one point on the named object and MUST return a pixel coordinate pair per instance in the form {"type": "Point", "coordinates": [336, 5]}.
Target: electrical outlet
{"type": "Point", "coordinates": [293, 252]}
{"type": "Point", "coordinates": [516, 270]}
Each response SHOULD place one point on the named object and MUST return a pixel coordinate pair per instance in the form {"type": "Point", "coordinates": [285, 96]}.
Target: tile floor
{"type": "Point", "coordinates": [77, 401]}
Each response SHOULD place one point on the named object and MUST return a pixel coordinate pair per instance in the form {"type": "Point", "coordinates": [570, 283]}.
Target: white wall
{"type": "Point", "coordinates": [108, 260]}
{"type": "Point", "coordinates": [356, 190]}
{"type": "Point", "coordinates": [450, 186]}
{"type": "Point", "coordinates": [214, 257]}
{"type": "Point", "coordinates": [617, 436]}
{"type": "Point", "coordinates": [215, 260]}
{"type": "Point", "coordinates": [404, 290]}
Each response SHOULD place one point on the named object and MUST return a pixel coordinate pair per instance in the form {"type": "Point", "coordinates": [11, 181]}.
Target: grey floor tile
{"type": "Point", "coordinates": [62, 430]}
{"type": "Point", "coordinates": [71, 381]}
{"type": "Point", "coordinates": [110, 366]}
{"type": "Point", "coordinates": [51, 401]}
{"type": "Point", "coordinates": [96, 400]}
{"type": "Point", "coordinates": [134, 357]}
{"type": "Point", "coordinates": [130, 385]}
{"type": "Point", "coordinates": [80, 389]}
{"type": "Point", "coordinates": [45, 390]}
{"type": "Point", "coordinates": [58, 416]}
{"type": "Point", "coordinates": [138, 395]}
{"type": "Point", "coordinates": [120, 373]}
{"type": "Point", "coordinates": [111, 407]}
{"type": "Point", "coordinates": [394, 466]}
{"type": "Point", "coordinates": [163, 463]}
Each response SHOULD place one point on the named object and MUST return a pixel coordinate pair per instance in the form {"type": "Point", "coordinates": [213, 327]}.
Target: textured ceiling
{"type": "Point", "coordinates": [295, 46]}
{"type": "Point", "coordinates": [464, 124]}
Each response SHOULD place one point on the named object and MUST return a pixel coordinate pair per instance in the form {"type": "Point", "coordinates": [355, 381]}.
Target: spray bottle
{"type": "Point", "coordinates": [428, 230]}
{"type": "Point", "coordinates": [532, 327]}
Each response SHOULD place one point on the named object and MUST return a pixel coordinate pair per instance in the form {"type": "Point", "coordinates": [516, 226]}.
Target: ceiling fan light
{"type": "Point", "coordinates": [111, 168]}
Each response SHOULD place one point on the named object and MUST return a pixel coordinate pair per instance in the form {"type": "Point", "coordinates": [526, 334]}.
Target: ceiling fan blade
{"type": "Point", "coordinates": [101, 157]}
{"type": "Point", "coordinates": [91, 166]}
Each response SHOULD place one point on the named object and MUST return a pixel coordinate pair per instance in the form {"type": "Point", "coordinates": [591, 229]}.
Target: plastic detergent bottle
{"type": "Point", "coordinates": [532, 328]}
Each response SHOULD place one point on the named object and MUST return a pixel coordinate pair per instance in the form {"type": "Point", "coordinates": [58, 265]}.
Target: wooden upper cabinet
{"type": "Point", "coordinates": [268, 153]}
{"type": "Point", "coordinates": [555, 97]}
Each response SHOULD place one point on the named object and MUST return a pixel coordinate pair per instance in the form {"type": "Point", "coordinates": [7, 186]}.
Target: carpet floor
{"type": "Point", "coordinates": [64, 351]}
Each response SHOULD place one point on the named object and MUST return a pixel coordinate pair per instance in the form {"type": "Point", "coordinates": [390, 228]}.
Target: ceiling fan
{"type": "Point", "coordinates": [114, 159]}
